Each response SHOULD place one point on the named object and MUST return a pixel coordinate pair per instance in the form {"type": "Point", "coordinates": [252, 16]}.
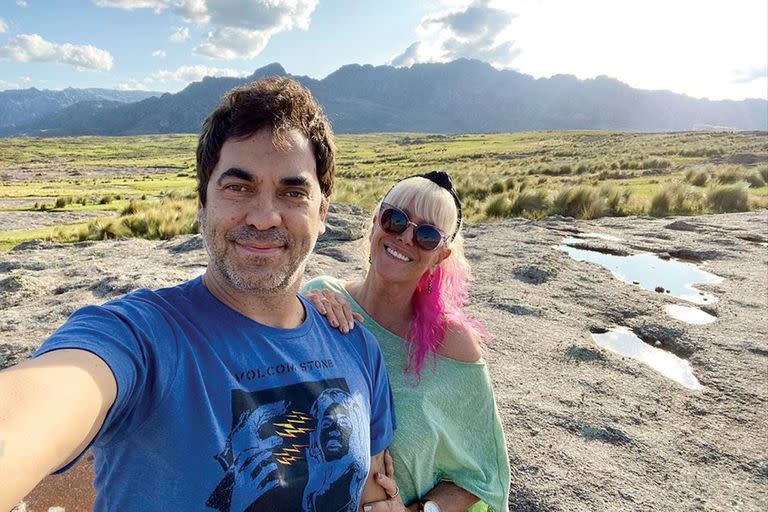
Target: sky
{"type": "Point", "coordinates": [716, 49]}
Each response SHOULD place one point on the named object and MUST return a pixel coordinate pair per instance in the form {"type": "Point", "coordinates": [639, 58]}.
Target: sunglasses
{"type": "Point", "coordinates": [394, 221]}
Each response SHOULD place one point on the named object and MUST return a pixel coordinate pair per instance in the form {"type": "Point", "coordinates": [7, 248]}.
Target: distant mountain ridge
{"type": "Point", "coordinates": [21, 107]}
{"type": "Point", "coordinates": [464, 96]}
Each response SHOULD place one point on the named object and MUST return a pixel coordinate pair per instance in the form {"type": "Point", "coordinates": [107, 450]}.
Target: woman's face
{"type": "Point", "coordinates": [396, 258]}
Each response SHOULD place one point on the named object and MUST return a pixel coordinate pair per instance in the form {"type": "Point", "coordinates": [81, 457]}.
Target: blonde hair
{"type": "Point", "coordinates": [427, 201]}
{"type": "Point", "coordinates": [440, 296]}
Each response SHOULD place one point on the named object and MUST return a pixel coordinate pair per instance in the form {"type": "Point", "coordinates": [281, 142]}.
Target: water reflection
{"type": "Point", "coordinates": [651, 272]}
{"type": "Point", "coordinates": [689, 315]}
{"type": "Point", "coordinates": [623, 341]}
{"type": "Point", "coordinates": [600, 236]}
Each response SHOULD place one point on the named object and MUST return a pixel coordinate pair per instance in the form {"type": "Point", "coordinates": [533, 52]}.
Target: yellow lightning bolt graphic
{"type": "Point", "coordinates": [292, 428]}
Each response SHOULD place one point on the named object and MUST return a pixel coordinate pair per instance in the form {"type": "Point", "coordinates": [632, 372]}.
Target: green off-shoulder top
{"type": "Point", "coordinates": [448, 426]}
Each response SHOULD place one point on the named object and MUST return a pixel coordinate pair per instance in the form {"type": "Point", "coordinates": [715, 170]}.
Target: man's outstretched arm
{"type": "Point", "coordinates": [51, 407]}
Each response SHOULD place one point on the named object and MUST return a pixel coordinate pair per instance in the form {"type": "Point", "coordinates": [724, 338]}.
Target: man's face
{"type": "Point", "coordinates": [335, 430]}
{"type": "Point", "coordinates": [264, 213]}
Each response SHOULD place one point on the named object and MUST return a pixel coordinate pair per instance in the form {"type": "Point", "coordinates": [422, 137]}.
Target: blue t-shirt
{"type": "Point", "coordinates": [217, 412]}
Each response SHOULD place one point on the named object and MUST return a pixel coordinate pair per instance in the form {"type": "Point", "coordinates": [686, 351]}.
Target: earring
{"type": "Point", "coordinates": [370, 259]}
{"type": "Point", "coordinates": [429, 285]}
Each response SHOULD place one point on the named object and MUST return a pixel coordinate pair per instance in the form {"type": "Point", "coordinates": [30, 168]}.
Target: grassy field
{"type": "Point", "coordinates": [149, 180]}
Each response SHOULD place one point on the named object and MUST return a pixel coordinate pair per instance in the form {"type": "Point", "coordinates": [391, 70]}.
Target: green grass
{"type": "Point", "coordinates": [9, 239]}
{"type": "Point", "coordinates": [532, 174]}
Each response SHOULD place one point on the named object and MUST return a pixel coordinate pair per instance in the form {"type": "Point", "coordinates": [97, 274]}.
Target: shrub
{"type": "Point", "coordinates": [530, 202]}
{"type": "Point", "coordinates": [661, 202]}
{"type": "Point", "coordinates": [731, 175]}
{"type": "Point", "coordinates": [159, 220]}
{"type": "Point", "coordinates": [729, 198]}
{"type": "Point", "coordinates": [615, 198]}
{"type": "Point", "coordinates": [106, 199]}
{"type": "Point", "coordinates": [62, 201]}
{"type": "Point", "coordinates": [498, 186]}
{"type": "Point", "coordinates": [580, 201]}
{"type": "Point", "coordinates": [498, 205]}
{"type": "Point", "coordinates": [697, 177]}
{"type": "Point", "coordinates": [132, 207]}
{"type": "Point", "coordinates": [763, 172]}
{"type": "Point", "coordinates": [472, 192]}
{"type": "Point", "coordinates": [674, 198]}
{"type": "Point", "coordinates": [655, 163]}
{"type": "Point", "coordinates": [755, 179]}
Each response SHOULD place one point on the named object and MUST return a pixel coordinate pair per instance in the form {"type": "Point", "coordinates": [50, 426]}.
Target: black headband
{"type": "Point", "coordinates": [442, 180]}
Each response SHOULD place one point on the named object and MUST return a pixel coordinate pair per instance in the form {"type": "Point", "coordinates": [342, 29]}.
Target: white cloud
{"type": "Point", "coordinates": [180, 35]}
{"type": "Point", "coordinates": [412, 55]}
{"type": "Point", "coordinates": [193, 11]}
{"type": "Point", "coordinates": [3, 26]}
{"type": "Point", "coordinates": [157, 5]}
{"type": "Point", "coordinates": [238, 28]}
{"type": "Point", "coordinates": [716, 49]}
{"type": "Point", "coordinates": [5, 85]}
{"type": "Point", "coordinates": [33, 48]}
{"type": "Point", "coordinates": [697, 48]}
{"type": "Point", "coordinates": [750, 75]}
{"type": "Point", "coordinates": [21, 3]}
{"type": "Point", "coordinates": [170, 79]}
{"type": "Point", "coordinates": [244, 27]}
{"type": "Point", "coordinates": [192, 74]}
{"type": "Point", "coordinates": [132, 85]}
{"type": "Point", "coordinates": [232, 43]}
{"type": "Point", "coordinates": [160, 54]}
{"type": "Point", "coordinates": [480, 30]}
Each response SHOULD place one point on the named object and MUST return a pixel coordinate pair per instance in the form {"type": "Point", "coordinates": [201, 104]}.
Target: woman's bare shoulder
{"type": "Point", "coordinates": [461, 343]}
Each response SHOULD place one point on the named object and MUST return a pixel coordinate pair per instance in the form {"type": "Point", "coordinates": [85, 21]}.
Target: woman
{"type": "Point", "coordinates": [449, 450]}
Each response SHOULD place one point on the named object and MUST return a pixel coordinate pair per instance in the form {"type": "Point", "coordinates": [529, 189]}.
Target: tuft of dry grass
{"type": "Point", "coordinates": [728, 198]}
{"type": "Point", "coordinates": [675, 198]}
{"type": "Point", "coordinates": [697, 177]}
{"type": "Point", "coordinates": [153, 220]}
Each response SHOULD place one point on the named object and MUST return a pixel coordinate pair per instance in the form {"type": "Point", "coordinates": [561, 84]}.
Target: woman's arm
{"type": "Point", "coordinates": [449, 497]}
{"type": "Point", "coordinates": [335, 308]}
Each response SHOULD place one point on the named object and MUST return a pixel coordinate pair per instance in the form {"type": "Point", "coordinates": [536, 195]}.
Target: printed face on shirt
{"type": "Point", "coordinates": [335, 430]}
{"type": "Point", "coordinates": [263, 214]}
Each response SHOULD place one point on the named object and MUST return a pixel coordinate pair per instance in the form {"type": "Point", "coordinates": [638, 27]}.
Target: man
{"type": "Point", "coordinates": [201, 396]}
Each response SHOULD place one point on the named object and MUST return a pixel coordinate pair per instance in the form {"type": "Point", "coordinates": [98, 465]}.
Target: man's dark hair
{"type": "Point", "coordinates": [278, 103]}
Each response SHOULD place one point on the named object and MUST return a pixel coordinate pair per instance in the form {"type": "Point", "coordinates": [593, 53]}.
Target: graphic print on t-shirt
{"type": "Point", "coordinates": [299, 447]}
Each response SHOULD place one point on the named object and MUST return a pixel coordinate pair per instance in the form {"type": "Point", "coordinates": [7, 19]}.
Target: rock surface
{"type": "Point", "coordinates": [587, 429]}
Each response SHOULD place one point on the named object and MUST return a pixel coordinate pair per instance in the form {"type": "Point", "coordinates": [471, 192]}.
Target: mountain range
{"type": "Point", "coordinates": [463, 96]}
{"type": "Point", "coordinates": [23, 107]}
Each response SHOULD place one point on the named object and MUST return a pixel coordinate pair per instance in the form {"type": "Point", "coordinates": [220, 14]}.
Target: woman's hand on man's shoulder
{"type": "Point", "coordinates": [461, 343]}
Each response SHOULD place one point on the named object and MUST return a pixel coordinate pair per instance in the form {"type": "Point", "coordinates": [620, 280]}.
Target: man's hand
{"type": "Point", "coordinates": [51, 408]}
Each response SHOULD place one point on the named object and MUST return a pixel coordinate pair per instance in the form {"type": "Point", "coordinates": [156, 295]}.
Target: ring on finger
{"type": "Point", "coordinates": [397, 491]}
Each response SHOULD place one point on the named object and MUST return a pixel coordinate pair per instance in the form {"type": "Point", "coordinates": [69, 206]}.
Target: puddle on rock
{"type": "Point", "coordinates": [623, 341]}
{"type": "Point", "coordinates": [651, 272]}
{"type": "Point", "coordinates": [689, 315]}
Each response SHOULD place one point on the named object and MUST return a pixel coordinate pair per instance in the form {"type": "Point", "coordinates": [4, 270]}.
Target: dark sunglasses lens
{"type": "Point", "coordinates": [427, 237]}
{"type": "Point", "coordinates": [394, 221]}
